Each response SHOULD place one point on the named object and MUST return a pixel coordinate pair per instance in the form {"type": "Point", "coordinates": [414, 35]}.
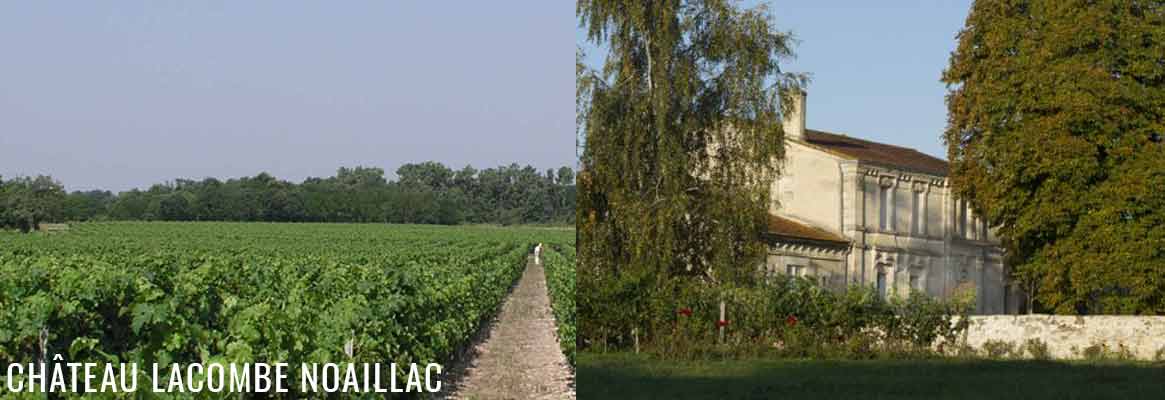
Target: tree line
{"type": "Point", "coordinates": [423, 193]}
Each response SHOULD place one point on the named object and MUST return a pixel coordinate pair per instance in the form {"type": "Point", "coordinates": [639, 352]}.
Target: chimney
{"type": "Point", "coordinates": [794, 120]}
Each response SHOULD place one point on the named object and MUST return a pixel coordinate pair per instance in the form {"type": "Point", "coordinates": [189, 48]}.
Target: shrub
{"type": "Point", "coordinates": [1037, 349]}
{"type": "Point", "coordinates": [964, 350]}
{"type": "Point", "coordinates": [1094, 352]}
{"type": "Point", "coordinates": [785, 316]}
{"type": "Point", "coordinates": [1123, 352]}
{"type": "Point", "coordinates": [998, 349]}
{"type": "Point", "coordinates": [1101, 352]}
{"type": "Point", "coordinates": [861, 346]}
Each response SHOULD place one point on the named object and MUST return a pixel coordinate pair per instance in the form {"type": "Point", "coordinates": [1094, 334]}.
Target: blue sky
{"type": "Point", "coordinates": [875, 65]}
{"type": "Point", "coordinates": [124, 94]}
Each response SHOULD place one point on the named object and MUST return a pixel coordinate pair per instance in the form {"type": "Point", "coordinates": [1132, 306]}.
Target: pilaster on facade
{"type": "Point", "coordinates": [851, 201]}
{"type": "Point", "coordinates": [854, 221]}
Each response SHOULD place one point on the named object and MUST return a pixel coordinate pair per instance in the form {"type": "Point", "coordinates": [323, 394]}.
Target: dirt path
{"type": "Point", "coordinates": [520, 357]}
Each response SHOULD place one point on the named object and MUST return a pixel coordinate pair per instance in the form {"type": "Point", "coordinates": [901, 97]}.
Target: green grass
{"type": "Point", "coordinates": [629, 376]}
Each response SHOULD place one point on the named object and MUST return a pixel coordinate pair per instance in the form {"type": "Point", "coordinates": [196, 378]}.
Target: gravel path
{"type": "Point", "coordinates": [520, 357]}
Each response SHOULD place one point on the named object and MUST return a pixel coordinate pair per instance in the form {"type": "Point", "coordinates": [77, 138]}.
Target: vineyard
{"type": "Point", "coordinates": [253, 292]}
{"type": "Point", "coordinates": [560, 276]}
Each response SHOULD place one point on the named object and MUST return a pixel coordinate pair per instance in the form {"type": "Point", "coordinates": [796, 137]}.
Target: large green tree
{"type": "Point", "coordinates": [1057, 112]}
{"type": "Point", "coordinates": [26, 202]}
{"type": "Point", "coordinates": [682, 130]}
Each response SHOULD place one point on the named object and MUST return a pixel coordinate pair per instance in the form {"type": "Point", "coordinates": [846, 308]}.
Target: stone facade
{"type": "Point", "coordinates": [1069, 336]}
{"type": "Point", "coordinates": [894, 207]}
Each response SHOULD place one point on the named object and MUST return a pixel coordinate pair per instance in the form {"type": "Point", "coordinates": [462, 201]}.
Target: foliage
{"type": "Point", "coordinates": [560, 278]}
{"type": "Point", "coordinates": [425, 193]}
{"type": "Point", "coordinates": [1057, 118]}
{"type": "Point", "coordinates": [998, 349]}
{"type": "Point", "coordinates": [786, 317]}
{"type": "Point", "coordinates": [1037, 349]}
{"type": "Point", "coordinates": [228, 292]}
{"type": "Point", "coordinates": [26, 202]}
{"type": "Point", "coordinates": [682, 133]}
{"type": "Point", "coordinates": [1103, 352]}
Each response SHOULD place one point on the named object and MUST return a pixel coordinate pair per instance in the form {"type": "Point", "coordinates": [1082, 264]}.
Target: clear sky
{"type": "Point", "coordinates": [116, 95]}
{"type": "Point", "coordinates": [875, 65]}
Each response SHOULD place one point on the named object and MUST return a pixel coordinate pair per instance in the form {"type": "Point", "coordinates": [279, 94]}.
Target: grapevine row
{"type": "Point", "coordinates": [560, 278]}
{"type": "Point", "coordinates": [219, 292]}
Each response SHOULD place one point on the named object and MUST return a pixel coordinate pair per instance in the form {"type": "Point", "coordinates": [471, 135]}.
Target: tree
{"type": "Point", "coordinates": [1057, 109]}
{"type": "Point", "coordinates": [428, 174]}
{"type": "Point", "coordinates": [26, 202]}
{"type": "Point", "coordinates": [86, 206]}
{"type": "Point", "coordinates": [565, 176]}
{"type": "Point", "coordinates": [682, 134]}
{"type": "Point", "coordinates": [130, 205]}
{"type": "Point", "coordinates": [175, 207]}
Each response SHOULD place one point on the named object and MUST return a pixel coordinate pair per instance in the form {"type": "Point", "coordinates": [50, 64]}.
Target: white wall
{"type": "Point", "coordinates": [809, 188]}
{"type": "Point", "coordinates": [1068, 336]}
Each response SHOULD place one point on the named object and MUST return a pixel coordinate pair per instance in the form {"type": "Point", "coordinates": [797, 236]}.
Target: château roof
{"type": "Point", "coordinates": [785, 228]}
{"type": "Point", "coordinates": [877, 153]}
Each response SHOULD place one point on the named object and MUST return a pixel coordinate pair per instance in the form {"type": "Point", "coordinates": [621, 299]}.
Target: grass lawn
{"type": "Point", "coordinates": [626, 376]}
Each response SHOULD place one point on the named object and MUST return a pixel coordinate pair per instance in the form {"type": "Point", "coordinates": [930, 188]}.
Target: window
{"type": "Point", "coordinates": [890, 203]}
{"type": "Point", "coordinates": [794, 270]}
{"type": "Point", "coordinates": [882, 209]}
{"type": "Point", "coordinates": [886, 210]}
{"type": "Point", "coordinates": [922, 212]}
{"type": "Point", "coordinates": [881, 284]}
{"type": "Point", "coordinates": [914, 282]}
{"type": "Point", "coordinates": [915, 217]}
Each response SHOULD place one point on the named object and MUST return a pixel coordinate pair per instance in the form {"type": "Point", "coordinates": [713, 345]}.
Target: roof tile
{"type": "Point", "coordinates": [785, 227]}
{"type": "Point", "coordinates": [877, 153]}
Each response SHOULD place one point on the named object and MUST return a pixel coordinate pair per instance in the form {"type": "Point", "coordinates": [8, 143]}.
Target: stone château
{"type": "Point", "coordinates": [850, 211]}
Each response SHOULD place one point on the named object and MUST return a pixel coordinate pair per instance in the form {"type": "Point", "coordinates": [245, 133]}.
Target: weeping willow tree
{"type": "Point", "coordinates": [681, 135]}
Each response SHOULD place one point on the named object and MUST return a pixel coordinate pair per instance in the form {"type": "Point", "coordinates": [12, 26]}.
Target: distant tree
{"type": "Point", "coordinates": [565, 176]}
{"type": "Point", "coordinates": [210, 200]}
{"type": "Point", "coordinates": [465, 184]}
{"type": "Point", "coordinates": [1057, 110]}
{"type": "Point", "coordinates": [26, 202]}
{"type": "Point", "coordinates": [89, 205]}
{"type": "Point", "coordinates": [176, 206]}
{"type": "Point", "coordinates": [465, 178]}
{"type": "Point", "coordinates": [449, 206]}
{"type": "Point", "coordinates": [361, 177]}
{"type": "Point", "coordinates": [130, 205]}
{"type": "Point", "coordinates": [428, 174]}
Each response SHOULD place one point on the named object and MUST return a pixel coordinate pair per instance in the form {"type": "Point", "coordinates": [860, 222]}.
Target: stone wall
{"type": "Point", "coordinates": [1069, 336]}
